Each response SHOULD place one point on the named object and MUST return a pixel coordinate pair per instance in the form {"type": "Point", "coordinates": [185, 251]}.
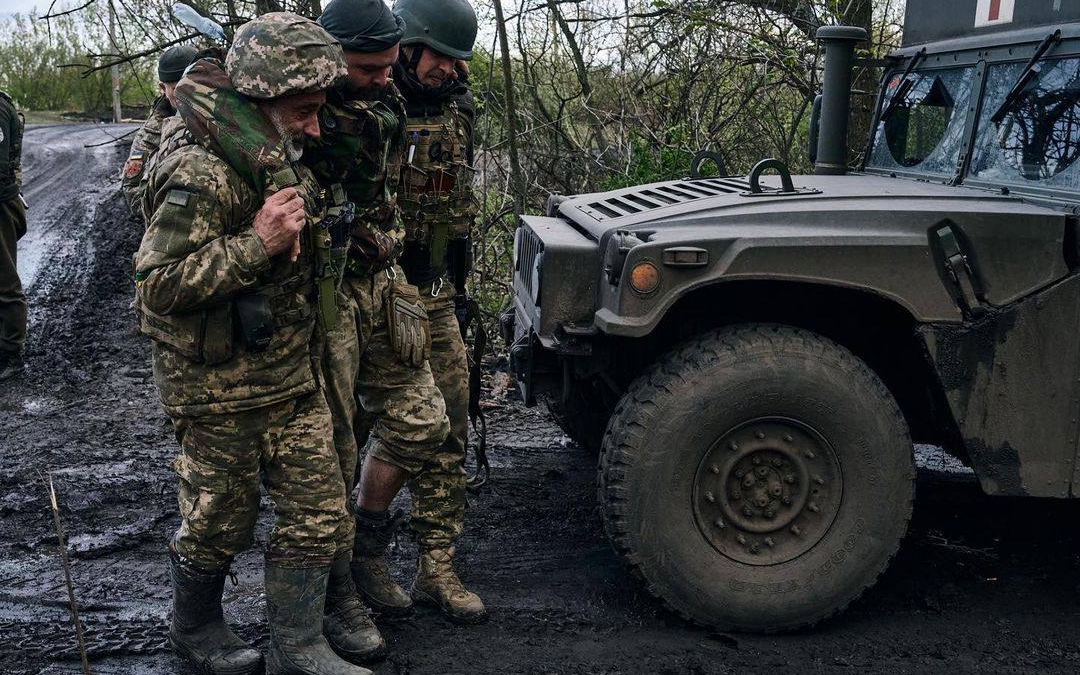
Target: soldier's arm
{"type": "Point", "coordinates": [133, 172]}
{"type": "Point", "coordinates": [186, 261]}
{"type": "Point", "coordinates": [9, 121]}
{"type": "Point", "coordinates": [16, 148]}
{"type": "Point", "coordinates": [467, 107]}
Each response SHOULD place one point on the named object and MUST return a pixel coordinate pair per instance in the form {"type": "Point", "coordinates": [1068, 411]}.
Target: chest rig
{"type": "Point", "coordinates": [436, 192]}
{"type": "Point", "coordinates": [362, 149]}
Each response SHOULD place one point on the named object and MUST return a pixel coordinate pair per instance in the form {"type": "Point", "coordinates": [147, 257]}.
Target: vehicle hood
{"type": "Point", "coordinates": [847, 203]}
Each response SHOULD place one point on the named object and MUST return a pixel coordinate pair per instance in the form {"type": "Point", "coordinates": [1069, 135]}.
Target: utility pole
{"type": "Point", "coordinates": [114, 70]}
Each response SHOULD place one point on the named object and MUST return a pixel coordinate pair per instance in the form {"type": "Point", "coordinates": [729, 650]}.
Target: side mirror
{"type": "Point", "coordinates": [815, 127]}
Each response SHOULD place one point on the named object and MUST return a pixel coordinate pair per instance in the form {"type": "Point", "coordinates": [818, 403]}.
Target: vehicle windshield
{"type": "Point", "coordinates": [1037, 143]}
{"type": "Point", "coordinates": [925, 131]}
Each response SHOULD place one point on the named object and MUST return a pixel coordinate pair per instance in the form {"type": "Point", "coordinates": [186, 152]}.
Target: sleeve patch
{"type": "Point", "coordinates": [133, 167]}
{"type": "Point", "coordinates": [177, 197]}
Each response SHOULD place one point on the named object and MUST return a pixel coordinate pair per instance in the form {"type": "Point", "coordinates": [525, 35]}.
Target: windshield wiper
{"type": "Point", "coordinates": [905, 85]}
{"type": "Point", "coordinates": [1026, 76]}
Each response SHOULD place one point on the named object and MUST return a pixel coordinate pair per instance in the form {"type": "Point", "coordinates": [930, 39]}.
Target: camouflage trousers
{"type": "Point", "coordinates": [438, 490]}
{"type": "Point", "coordinates": [221, 460]}
{"type": "Point", "coordinates": [12, 298]}
{"type": "Point", "coordinates": [401, 418]}
{"type": "Point", "coordinates": [437, 477]}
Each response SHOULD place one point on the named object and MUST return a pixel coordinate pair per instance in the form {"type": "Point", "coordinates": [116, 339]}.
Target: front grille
{"type": "Point", "coordinates": [527, 248]}
{"type": "Point", "coordinates": [659, 196]}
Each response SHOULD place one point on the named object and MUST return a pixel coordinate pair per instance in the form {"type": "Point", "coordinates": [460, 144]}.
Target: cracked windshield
{"type": "Point", "coordinates": [923, 132]}
{"type": "Point", "coordinates": [1037, 141]}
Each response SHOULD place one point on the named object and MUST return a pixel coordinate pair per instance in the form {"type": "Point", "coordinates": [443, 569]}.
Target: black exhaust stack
{"type": "Point", "coordinates": [839, 42]}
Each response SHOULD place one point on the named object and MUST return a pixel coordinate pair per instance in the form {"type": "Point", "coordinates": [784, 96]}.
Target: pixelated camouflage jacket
{"type": "Point", "coordinates": [11, 134]}
{"type": "Point", "coordinates": [362, 147]}
{"type": "Point", "coordinates": [143, 146]}
{"type": "Point", "coordinates": [199, 255]}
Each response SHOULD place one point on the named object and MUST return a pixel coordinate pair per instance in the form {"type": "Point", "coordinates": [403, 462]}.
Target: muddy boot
{"type": "Point", "coordinates": [295, 598]}
{"type": "Point", "coordinates": [374, 532]}
{"type": "Point", "coordinates": [198, 631]}
{"type": "Point", "coordinates": [437, 584]}
{"type": "Point", "coordinates": [346, 623]}
{"type": "Point", "coordinates": [11, 365]}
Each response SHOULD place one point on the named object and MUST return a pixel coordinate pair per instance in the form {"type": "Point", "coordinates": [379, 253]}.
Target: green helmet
{"type": "Point", "coordinates": [280, 54]}
{"type": "Point", "coordinates": [447, 26]}
{"type": "Point", "coordinates": [173, 62]}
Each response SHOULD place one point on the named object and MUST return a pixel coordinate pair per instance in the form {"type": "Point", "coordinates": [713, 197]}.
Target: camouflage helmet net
{"type": "Point", "coordinates": [281, 54]}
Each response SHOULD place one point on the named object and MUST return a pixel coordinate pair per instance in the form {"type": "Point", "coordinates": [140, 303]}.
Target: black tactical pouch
{"type": "Point", "coordinates": [256, 320]}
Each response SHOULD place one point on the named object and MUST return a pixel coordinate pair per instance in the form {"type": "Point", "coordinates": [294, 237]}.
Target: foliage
{"type": "Point", "coordinates": [44, 64]}
{"type": "Point", "coordinates": [588, 95]}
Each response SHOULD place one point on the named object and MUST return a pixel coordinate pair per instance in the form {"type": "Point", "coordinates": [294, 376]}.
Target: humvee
{"type": "Point", "coordinates": [757, 355]}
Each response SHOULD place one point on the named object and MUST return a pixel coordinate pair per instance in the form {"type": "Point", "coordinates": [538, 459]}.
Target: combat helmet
{"type": "Point", "coordinates": [281, 54]}
{"type": "Point", "coordinates": [173, 62]}
{"type": "Point", "coordinates": [447, 26]}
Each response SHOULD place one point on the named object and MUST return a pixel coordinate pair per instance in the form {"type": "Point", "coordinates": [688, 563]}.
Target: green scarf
{"type": "Point", "coordinates": [229, 124]}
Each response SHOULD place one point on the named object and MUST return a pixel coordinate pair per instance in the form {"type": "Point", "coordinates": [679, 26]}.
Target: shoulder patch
{"type": "Point", "coordinates": [133, 166]}
{"type": "Point", "coordinates": [1, 135]}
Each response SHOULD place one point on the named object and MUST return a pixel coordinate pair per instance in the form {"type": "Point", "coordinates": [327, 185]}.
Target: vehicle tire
{"type": "Point", "coordinates": [757, 478]}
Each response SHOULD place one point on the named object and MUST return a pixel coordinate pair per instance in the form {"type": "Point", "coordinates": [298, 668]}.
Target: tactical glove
{"type": "Point", "coordinates": [410, 331]}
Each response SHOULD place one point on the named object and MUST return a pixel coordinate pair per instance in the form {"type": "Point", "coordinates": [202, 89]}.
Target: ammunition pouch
{"type": "Point", "coordinates": [256, 320]}
{"type": "Point", "coordinates": [410, 330]}
{"type": "Point", "coordinates": [204, 336]}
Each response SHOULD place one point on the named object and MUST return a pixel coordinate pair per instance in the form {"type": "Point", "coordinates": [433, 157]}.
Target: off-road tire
{"type": "Point", "coordinates": [725, 382]}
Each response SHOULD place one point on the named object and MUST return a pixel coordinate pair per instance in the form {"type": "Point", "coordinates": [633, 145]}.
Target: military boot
{"type": "Point", "coordinates": [346, 624]}
{"type": "Point", "coordinates": [374, 532]}
{"type": "Point", "coordinates": [11, 364]}
{"type": "Point", "coordinates": [198, 631]}
{"type": "Point", "coordinates": [437, 584]}
{"type": "Point", "coordinates": [295, 599]}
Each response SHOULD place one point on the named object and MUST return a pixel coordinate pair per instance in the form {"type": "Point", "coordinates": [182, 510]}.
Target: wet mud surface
{"type": "Point", "coordinates": [979, 585]}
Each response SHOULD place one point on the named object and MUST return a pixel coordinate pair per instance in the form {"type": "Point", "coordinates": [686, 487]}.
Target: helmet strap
{"type": "Point", "coordinates": [414, 60]}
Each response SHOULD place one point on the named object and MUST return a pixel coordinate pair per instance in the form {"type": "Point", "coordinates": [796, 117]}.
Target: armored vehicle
{"type": "Point", "coordinates": [758, 354]}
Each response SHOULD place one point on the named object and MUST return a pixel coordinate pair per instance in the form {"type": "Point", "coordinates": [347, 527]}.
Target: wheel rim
{"type": "Point", "coordinates": [767, 491]}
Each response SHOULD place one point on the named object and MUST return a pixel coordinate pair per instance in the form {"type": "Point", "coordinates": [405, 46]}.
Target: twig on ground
{"type": "Point", "coordinates": [62, 545]}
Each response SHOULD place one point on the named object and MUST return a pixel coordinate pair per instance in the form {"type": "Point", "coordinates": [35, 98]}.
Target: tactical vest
{"type": "Point", "coordinates": [361, 149]}
{"type": "Point", "coordinates": [436, 192]}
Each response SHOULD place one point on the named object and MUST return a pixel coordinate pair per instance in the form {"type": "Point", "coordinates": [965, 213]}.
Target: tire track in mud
{"type": "Point", "coordinates": [978, 585]}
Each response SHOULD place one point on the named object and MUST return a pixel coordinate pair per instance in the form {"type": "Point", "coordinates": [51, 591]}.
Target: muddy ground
{"type": "Point", "coordinates": [980, 585]}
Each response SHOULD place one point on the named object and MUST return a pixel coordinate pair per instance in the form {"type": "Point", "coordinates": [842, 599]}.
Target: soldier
{"type": "Point", "coordinates": [170, 69]}
{"type": "Point", "coordinates": [229, 290]}
{"type": "Point", "coordinates": [438, 207]}
{"type": "Point", "coordinates": [362, 147]}
{"type": "Point", "coordinates": [12, 228]}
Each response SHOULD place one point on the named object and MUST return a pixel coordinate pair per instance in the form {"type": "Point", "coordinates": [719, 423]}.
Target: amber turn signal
{"type": "Point", "coordinates": [644, 278]}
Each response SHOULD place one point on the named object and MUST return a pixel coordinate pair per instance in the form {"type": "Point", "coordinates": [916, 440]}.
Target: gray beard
{"type": "Point", "coordinates": [294, 146]}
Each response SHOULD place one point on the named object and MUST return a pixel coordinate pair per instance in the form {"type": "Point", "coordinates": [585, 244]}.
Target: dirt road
{"type": "Point", "coordinates": [980, 585]}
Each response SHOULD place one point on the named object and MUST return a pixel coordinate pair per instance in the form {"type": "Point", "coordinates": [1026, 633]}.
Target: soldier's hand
{"type": "Point", "coordinates": [279, 221]}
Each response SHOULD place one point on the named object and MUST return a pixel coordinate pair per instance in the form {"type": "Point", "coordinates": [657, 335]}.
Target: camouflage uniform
{"type": "Point", "coordinates": [237, 408]}
{"type": "Point", "coordinates": [360, 146]}
{"type": "Point", "coordinates": [143, 146]}
{"type": "Point", "coordinates": [12, 228]}
{"type": "Point", "coordinates": [437, 206]}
